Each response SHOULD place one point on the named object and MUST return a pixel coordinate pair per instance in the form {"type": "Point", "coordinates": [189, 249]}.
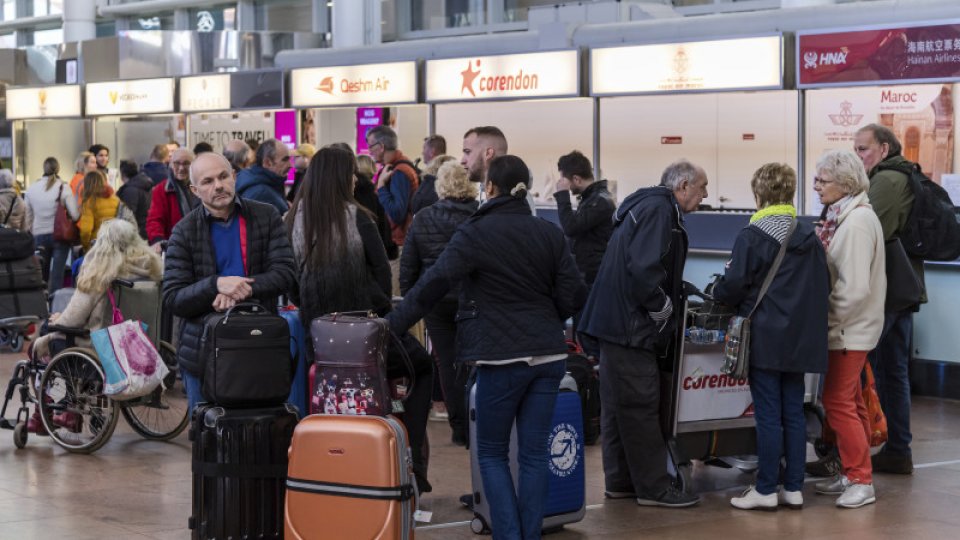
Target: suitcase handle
{"type": "Point", "coordinates": [243, 307]}
{"type": "Point", "coordinates": [366, 314]}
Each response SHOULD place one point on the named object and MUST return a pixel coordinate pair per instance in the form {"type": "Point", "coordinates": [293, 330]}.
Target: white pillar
{"type": "Point", "coordinates": [79, 20]}
{"type": "Point", "coordinates": [350, 23]}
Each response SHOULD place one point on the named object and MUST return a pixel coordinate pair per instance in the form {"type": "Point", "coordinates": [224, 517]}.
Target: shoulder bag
{"type": "Point", "coordinates": [65, 230]}
{"type": "Point", "coordinates": [736, 362]}
{"type": "Point", "coordinates": [14, 244]}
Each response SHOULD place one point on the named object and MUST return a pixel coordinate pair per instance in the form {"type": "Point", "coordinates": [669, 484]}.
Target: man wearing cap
{"type": "Point", "coordinates": [301, 160]}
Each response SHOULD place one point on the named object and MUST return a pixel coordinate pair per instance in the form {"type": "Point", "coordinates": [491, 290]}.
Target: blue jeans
{"type": "Point", "coordinates": [192, 384]}
{"type": "Point", "coordinates": [781, 428]}
{"type": "Point", "coordinates": [54, 261]}
{"type": "Point", "coordinates": [525, 394]}
{"type": "Point", "coordinates": [891, 369]}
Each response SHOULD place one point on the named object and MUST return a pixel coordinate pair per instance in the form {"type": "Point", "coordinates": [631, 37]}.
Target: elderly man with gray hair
{"type": "Point", "coordinates": [198, 280]}
{"type": "Point", "coordinates": [634, 310]}
{"type": "Point", "coordinates": [14, 212]}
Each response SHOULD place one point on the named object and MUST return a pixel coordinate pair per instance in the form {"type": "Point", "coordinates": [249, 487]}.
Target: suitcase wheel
{"type": "Point", "coordinates": [479, 526]}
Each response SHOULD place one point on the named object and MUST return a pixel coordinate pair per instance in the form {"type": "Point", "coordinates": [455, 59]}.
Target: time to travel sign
{"type": "Point", "coordinates": [366, 84]}
{"type": "Point", "coordinates": [510, 76]}
{"type": "Point", "coordinates": [43, 102]}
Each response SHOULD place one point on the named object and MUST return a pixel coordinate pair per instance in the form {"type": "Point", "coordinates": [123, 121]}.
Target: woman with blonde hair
{"type": "Point", "coordinates": [86, 163]}
{"type": "Point", "coordinates": [119, 253]}
{"type": "Point", "coordinates": [97, 205]}
{"type": "Point", "coordinates": [427, 192]}
{"type": "Point", "coordinates": [851, 234]}
{"type": "Point", "coordinates": [429, 234]}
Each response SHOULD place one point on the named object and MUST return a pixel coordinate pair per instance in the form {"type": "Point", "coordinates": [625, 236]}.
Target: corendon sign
{"type": "Point", "coordinates": [43, 102]}
{"type": "Point", "coordinates": [903, 54]}
{"type": "Point", "coordinates": [547, 74]}
{"type": "Point", "coordinates": [369, 84]}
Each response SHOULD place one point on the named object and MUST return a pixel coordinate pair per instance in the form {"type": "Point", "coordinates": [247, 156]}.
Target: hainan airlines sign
{"type": "Point", "coordinates": [43, 102]}
{"type": "Point", "coordinates": [368, 84]}
{"type": "Point", "coordinates": [512, 76]}
{"type": "Point", "coordinates": [143, 96]}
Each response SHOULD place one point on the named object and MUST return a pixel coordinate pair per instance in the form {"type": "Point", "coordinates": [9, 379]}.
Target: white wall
{"type": "Point", "coordinates": [340, 125]}
{"type": "Point", "coordinates": [62, 139]}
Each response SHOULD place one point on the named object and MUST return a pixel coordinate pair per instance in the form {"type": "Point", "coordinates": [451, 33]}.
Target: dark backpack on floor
{"type": "Point", "coordinates": [932, 231]}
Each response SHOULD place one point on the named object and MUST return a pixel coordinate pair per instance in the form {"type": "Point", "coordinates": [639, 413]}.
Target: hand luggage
{"type": "Point", "coordinates": [246, 357]}
{"type": "Point", "coordinates": [239, 471]}
{"type": "Point", "coordinates": [349, 373]}
{"type": "Point", "coordinates": [566, 493]}
{"type": "Point", "coordinates": [350, 477]}
{"type": "Point", "coordinates": [23, 302]}
{"type": "Point", "coordinates": [588, 386]}
{"type": "Point", "coordinates": [298, 389]}
{"type": "Point", "coordinates": [21, 274]}
{"type": "Point", "coordinates": [14, 244]}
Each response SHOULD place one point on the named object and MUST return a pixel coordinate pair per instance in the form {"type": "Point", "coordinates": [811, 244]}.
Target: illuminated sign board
{"type": "Point", "coordinates": [43, 102]}
{"type": "Point", "coordinates": [367, 84]}
{"type": "Point", "coordinates": [144, 96]}
{"type": "Point", "coordinates": [206, 93]}
{"type": "Point", "coordinates": [511, 76]}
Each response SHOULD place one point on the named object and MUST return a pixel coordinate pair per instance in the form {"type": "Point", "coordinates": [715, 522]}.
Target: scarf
{"type": "Point", "coordinates": [774, 210]}
{"type": "Point", "coordinates": [828, 227]}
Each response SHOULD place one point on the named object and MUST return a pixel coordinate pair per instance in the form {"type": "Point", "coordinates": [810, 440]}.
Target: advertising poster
{"type": "Point", "coordinates": [219, 129]}
{"type": "Point", "coordinates": [922, 117]}
{"type": "Point", "coordinates": [367, 118]}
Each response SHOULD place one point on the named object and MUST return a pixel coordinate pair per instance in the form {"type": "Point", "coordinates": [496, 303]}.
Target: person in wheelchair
{"type": "Point", "coordinates": [119, 253]}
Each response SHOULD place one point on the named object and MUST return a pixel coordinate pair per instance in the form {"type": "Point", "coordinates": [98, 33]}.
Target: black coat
{"type": "Point", "coordinates": [366, 194]}
{"type": "Point", "coordinates": [519, 285]}
{"type": "Point", "coordinates": [789, 328]}
{"type": "Point", "coordinates": [642, 267]}
{"type": "Point", "coordinates": [136, 194]}
{"type": "Point", "coordinates": [190, 270]}
{"type": "Point", "coordinates": [428, 235]}
{"type": "Point", "coordinates": [425, 195]}
{"type": "Point", "coordinates": [589, 227]}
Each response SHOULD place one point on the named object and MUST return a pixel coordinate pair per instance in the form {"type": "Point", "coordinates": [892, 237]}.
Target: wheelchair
{"type": "Point", "coordinates": [68, 389]}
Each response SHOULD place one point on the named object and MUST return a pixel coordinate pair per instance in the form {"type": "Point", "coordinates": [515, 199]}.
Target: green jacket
{"type": "Point", "coordinates": [892, 199]}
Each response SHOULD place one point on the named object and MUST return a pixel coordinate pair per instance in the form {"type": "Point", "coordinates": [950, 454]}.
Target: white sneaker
{"type": "Point", "coordinates": [790, 499]}
{"type": "Point", "coordinates": [834, 486]}
{"type": "Point", "coordinates": [754, 500]}
{"type": "Point", "coordinates": [857, 495]}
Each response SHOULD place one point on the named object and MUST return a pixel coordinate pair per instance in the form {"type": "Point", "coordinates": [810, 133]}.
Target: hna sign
{"type": "Point", "coordinates": [813, 60]}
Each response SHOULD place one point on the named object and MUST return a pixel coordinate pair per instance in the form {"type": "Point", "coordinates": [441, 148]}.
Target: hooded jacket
{"type": "Point", "coordinates": [260, 184]}
{"type": "Point", "coordinates": [156, 171]}
{"type": "Point", "coordinates": [94, 212]}
{"type": "Point", "coordinates": [589, 227]}
{"type": "Point", "coordinates": [135, 193]}
{"type": "Point", "coordinates": [789, 327]}
{"type": "Point", "coordinates": [641, 269]}
{"type": "Point", "coordinates": [519, 285]}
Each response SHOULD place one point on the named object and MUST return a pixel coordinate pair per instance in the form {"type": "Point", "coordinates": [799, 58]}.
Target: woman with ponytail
{"type": "Point", "coordinates": [519, 284]}
{"type": "Point", "coordinates": [43, 198]}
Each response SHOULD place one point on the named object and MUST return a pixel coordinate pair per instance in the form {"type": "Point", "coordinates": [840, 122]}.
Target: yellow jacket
{"type": "Point", "coordinates": [95, 212]}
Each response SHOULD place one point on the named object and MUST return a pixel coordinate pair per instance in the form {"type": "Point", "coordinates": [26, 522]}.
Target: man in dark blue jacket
{"type": "Point", "coordinates": [265, 180]}
{"type": "Point", "coordinates": [631, 311]}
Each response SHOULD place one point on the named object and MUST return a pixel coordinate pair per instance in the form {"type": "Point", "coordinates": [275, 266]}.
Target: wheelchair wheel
{"type": "Point", "coordinates": [162, 415]}
{"type": "Point", "coordinates": [76, 413]}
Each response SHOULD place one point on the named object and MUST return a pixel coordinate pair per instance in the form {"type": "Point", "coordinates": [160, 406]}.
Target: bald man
{"type": "Point", "coordinates": [237, 153]}
{"type": "Point", "coordinates": [171, 199]}
{"type": "Point", "coordinates": [256, 265]}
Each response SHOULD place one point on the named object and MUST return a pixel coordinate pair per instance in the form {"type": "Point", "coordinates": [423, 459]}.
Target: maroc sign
{"type": "Point", "coordinates": [747, 63]}
{"type": "Point", "coordinates": [43, 102]}
{"type": "Point", "coordinates": [547, 74]}
{"type": "Point", "coordinates": [368, 84]}
{"type": "Point", "coordinates": [143, 96]}
{"type": "Point", "coordinates": [205, 93]}
{"type": "Point", "coordinates": [903, 54]}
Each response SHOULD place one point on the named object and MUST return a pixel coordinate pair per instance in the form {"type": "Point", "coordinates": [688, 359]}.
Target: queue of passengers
{"type": "Point", "coordinates": [354, 224]}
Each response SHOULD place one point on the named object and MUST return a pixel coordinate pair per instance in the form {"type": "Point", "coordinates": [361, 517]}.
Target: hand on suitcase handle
{"type": "Point", "coordinates": [252, 307]}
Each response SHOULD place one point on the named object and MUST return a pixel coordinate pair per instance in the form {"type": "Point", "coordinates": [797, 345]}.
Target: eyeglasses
{"type": "Point", "coordinates": [370, 146]}
{"type": "Point", "coordinates": [821, 182]}
{"type": "Point", "coordinates": [181, 163]}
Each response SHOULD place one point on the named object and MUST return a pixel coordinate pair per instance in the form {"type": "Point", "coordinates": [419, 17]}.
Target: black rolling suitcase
{"type": "Point", "coordinates": [240, 471]}
{"type": "Point", "coordinates": [588, 384]}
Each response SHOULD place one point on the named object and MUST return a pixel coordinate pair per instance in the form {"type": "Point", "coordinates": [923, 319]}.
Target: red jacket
{"type": "Point", "coordinates": [164, 212]}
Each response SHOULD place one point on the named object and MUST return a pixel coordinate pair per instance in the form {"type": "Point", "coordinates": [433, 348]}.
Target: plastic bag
{"type": "Point", "coordinates": [131, 364]}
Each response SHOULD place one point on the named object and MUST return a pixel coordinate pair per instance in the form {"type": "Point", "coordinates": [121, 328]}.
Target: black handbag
{"type": "Point", "coordinates": [245, 355]}
{"type": "Point", "coordinates": [903, 286]}
{"type": "Point", "coordinates": [14, 244]}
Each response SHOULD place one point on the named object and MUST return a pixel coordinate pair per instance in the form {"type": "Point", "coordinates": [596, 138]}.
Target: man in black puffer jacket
{"type": "Point", "coordinates": [251, 258]}
{"type": "Point", "coordinates": [135, 193]}
{"type": "Point", "coordinates": [633, 309]}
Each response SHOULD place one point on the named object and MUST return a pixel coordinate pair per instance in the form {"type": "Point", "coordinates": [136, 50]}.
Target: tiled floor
{"type": "Point", "coordinates": [136, 489]}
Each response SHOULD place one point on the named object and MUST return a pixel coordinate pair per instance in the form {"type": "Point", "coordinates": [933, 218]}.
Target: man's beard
{"type": "Point", "coordinates": [475, 174]}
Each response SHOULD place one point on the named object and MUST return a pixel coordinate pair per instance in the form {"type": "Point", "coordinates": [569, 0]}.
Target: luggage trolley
{"type": "Point", "coordinates": [709, 415]}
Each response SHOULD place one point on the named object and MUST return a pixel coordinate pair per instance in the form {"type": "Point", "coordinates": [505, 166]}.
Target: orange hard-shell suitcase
{"type": "Point", "coordinates": [350, 477]}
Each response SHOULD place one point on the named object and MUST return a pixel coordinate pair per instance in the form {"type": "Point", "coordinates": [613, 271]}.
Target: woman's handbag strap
{"type": "Point", "coordinates": [776, 266]}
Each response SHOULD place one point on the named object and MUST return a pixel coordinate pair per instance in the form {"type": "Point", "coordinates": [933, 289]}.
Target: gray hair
{"type": "Point", "coordinates": [678, 172]}
{"type": "Point", "coordinates": [6, 178]}
{"type": "Point", "coordinates": [385, 136]}
{"type": "Point", "coordinates": [847, 170]}
{"type": "Point", "coordinates": [883, 135]}
{"type": "Point", "coordinates": [267, 149]}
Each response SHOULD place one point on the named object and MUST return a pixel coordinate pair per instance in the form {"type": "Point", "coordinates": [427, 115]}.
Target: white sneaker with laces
{"type": "Point", "coordinates": [834, 486]}
{"type": "Point", "coordinates": [754, 500]}
{"type": "Point", "coordinates": [790, 499]}
{"type": "Point", "coordinates": [857, 495]}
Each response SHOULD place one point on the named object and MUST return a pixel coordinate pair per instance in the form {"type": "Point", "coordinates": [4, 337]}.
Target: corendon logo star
{"type": "Point", "coordinates": [326, 85]}
{"type": "Point", "coordinates": [468, 77]}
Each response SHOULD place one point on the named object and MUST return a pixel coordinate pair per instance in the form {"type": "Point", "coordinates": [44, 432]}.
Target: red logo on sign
{"type": "Point", "coordinates": [326, 85]}
{"type": "Point", "coordinates": [671, 140]}
{"type": "Point", "coordinates": [468, 77]}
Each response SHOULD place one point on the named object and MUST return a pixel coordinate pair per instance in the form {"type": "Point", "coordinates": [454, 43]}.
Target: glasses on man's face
{"type": "Point", "coordinates": [372, 145]}
{"type": "Point", "coordinates": [817, 181]}
{"type": "Point", "coordinates": [181, 163]}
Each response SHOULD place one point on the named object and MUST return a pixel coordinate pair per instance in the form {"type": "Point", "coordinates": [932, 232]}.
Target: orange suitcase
{"type": "Point", "coordinates": [350, 477]}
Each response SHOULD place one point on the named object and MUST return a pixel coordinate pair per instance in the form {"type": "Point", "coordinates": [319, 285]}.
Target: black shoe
{"type": "Point", "coordinates": [827, 466]}
{"type": "Point", "coordinates": [884, 462]}
{"type": "Point", "coordinates": [467, 501]}
{"type": "Point", "coordinates": [671, 498]}
{"type": "Point", "coordinates": [458, 439]}
{"type": "Point", "coordinates": [423, 486]}
{"type": "Point", "coordinates": [619, 494]}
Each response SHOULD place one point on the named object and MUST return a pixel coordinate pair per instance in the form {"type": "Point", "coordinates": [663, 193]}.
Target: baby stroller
{"type": "Point", "coordinates": [68, 390]}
